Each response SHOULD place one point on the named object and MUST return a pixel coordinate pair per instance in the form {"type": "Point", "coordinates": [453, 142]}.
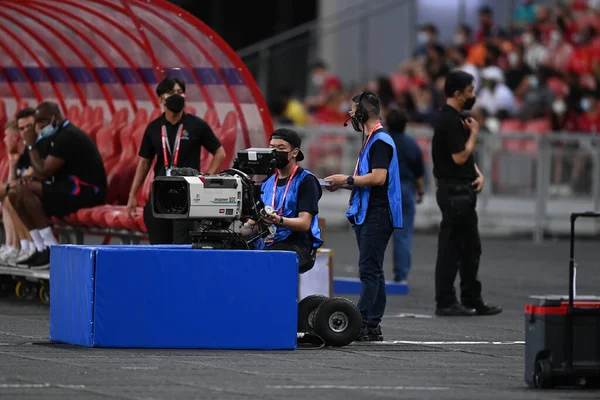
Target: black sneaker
{"type": "Point", "coordinates": [42, 261]}
{"type": "Point", "coordinates": [26, 263]}
{"type": "Point", "coordinates": [482, 308]}
{"type": "Point", "coordinates": [370, 334]}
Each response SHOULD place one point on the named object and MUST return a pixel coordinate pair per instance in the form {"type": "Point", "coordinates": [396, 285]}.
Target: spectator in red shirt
{"type": "Point", "coordinates": [324, 85]}
{"type": "Point", "coordinates": [589, 120]}
{"type": "Point", "coordinates": [581, 61]}
{"type": "Point", "coordinates": [559, 52]}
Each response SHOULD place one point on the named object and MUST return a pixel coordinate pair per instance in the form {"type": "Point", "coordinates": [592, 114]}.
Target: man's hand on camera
{"type": "Point", "coordinates": [272, 218]}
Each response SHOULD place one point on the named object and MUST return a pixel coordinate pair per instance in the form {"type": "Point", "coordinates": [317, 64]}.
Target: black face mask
{"type": "Point", "coordinates": [282, 159]}
{"type": "Point", "coordinates": [175, 102]}
{"type": "Point", "coordinates": [469, 103]}
{"type": "Point", "coordinates": [356, 125]}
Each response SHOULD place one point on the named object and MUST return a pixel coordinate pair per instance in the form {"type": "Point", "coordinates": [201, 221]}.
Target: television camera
{"type": "Point", "coordinates": [219, 204]}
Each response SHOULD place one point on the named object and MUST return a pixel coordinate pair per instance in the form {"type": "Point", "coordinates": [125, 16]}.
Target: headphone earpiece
{"type": "Point", "coordinates": [361, 114]}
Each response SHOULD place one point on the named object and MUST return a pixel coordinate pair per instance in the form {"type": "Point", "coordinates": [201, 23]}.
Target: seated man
{"type": "Point", "coordinates": [18, 246]}
{"type": "Point", "coordinates": [294, 194]}
{"type": "Point", "coordinates": [70, 178]}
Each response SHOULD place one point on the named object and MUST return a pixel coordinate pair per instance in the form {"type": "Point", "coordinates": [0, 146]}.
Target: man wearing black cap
{"type": "Point", "coordinates": [294, 194]}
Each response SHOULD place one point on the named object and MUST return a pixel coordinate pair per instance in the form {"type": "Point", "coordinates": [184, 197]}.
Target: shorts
{"type": "Point", "coordinates": [307, 255]}
{"type": "Point", "coordinates": [59, 201]}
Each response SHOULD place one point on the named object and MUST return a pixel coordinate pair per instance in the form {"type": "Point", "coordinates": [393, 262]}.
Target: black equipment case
{"type": "Point", "coordinates": [562, 334]}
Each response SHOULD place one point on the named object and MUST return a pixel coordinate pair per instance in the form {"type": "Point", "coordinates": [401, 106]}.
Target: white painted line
{"type": "Point", "coordinates": [139, 368]}
{"type": "Point", "coordinates": [448, 342]}
{"type": "Point", "coordinates": [409, 315]}
{"type": "Point", "coordinates": [344, 387]}
{"type": "Point", "coordinates": [37, 386]}
{"type": "Point", "coordinates": [23, 336]}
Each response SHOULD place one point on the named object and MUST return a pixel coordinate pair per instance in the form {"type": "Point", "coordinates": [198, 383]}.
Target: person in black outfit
{"type": "Point", "coordinates": [71, 177]}
{"type": "Point", "coordinates": [458, 181]}
{"type": "Point", "coordinates": [175, 139]}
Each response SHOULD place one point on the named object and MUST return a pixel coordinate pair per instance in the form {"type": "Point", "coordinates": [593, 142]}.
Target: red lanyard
{"type": "Point", "coordinates": [166, 145]}
{"type": "Point", "coordinates": [287, 186]}
{"type": "Point", "coordinates": [365, 145]}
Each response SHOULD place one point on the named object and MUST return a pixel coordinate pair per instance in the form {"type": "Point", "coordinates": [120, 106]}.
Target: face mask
{"type": "Point", "coordinates": [423, 37]}
{"type": "Point", "coordinates": [175, 103]}
{"type": "Point", "coordinates": [513, 59]}
{"type": "Point", "coordinates": [356, 125]}
{"type": "Point", "coordinates": [527, 38]}
{"type": "Point", "coordinates": [48, 130]}
{"type": "Point", "coordinates": [282, 158]}
{"type": "Point", "coordinates": [459, 39]}
{"type": "Point", "coordinates": [317, 80]}
{"type": "Point", "coordinates": [533, 82]}
{"type": "Point", "coordinates": [559, 107]}
{"type": "Point", "coordinates": [469, 103]}
{"type": "Point", "coordinates": [585, 105]}
{"type": "Point", "coordinates": [555, 37]}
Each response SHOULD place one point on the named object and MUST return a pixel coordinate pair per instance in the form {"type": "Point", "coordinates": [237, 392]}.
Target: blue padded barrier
{"type": "Point", "coordinates": [354, 285]}
{"type": "Point", "coordinates": [177, 297]}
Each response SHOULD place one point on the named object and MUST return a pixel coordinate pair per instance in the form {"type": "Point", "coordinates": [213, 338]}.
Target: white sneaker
{"type": "Point", "coordinates": [22, 256]}
{"type": "Point", "coordinates": [9, 254]}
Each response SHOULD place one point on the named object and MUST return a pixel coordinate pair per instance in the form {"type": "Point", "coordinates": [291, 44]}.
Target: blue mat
{"type": "Point", "coordinates": [173, 297]}
{"type": "Point", "coordinates": [353, 286]}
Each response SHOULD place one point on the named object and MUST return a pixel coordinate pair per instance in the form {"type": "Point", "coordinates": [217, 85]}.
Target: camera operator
{"type": "Point", "coordinates": [293, 192]}
{"type": "Point", "coordinates": [175, 139]}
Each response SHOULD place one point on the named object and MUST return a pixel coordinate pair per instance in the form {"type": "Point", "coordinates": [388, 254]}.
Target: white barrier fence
{"type": "Point", "coordinates": [533, 182]}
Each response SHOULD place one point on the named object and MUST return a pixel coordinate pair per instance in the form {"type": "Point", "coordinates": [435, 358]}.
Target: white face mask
{"type": "Point", "coordinates": [423, 37]}
{"type": "Point", "coordinates": [527, 39]}
{"type": "Point", "coordinates": [317, 80]}
{"type": "Point", "coordinates": [459, 39]}
{"type": "Point", "coordinates": [555, 37]}
{"type": "Point", "coordinates": [585, 105]}
{"type": "Point", "coordinates": [559, 107]}
{"type": "Point", "coordinates": [513, 59]}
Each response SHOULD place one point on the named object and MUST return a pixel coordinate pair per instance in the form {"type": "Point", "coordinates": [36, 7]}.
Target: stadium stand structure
{"type": "Point", "coordinates": [103, 76]}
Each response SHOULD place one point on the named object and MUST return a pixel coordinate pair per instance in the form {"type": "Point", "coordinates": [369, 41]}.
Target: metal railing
{"type": "Point", "coordinates": [533, 182]}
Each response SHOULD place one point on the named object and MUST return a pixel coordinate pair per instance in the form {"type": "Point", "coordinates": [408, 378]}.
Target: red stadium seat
{"type": "Point", "coordinates": [540, 126]}
{"type": "Point", "coordinates": [157, 112]}
{"type": "Point", "coordinates": [227, 135]}
{"type": "Point", "coordinates": [212, 119]}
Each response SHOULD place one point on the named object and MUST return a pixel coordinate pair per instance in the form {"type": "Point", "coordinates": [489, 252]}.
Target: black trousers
{"type": "Point", "coordinates": [167, 231]}
{"type": "Point", "coordinates": [459, 245]}
{"type": "Point", "coordinates": [307, 256]}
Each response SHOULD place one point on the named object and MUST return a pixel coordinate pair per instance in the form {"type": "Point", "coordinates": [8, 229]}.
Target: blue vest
{"type": "Point", "coordinates": [359, 201]}
{"type": "Point", "coordinates": [289, 208]}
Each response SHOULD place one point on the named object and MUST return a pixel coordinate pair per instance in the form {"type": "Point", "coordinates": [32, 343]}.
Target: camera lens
{"type": "Point", "coordinates": [171, 197]}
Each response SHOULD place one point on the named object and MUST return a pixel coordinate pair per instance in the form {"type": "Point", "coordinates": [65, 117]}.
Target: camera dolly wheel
{"type": "Point", "coordinates": [337, 321]}
{"type": "Point", "coordinates": [543, 378]}
{"type": "Point", "coordinates": [306, 311]}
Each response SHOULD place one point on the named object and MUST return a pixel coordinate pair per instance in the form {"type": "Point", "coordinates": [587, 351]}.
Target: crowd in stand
{"type": "Point", "coordinates": [544, 66]}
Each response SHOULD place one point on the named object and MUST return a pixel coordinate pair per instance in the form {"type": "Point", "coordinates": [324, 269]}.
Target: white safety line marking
{"type": "Point", "coordinates": [23, 336]}
{"type": "Point", "coordinates": [409, 315]}
{"type": "Point", "coordinates": [38, 386]}
{"type": "Point", "coordinates": [458, 342]}
{"type": "Point", "coordinates": [139, 368]}
{"type": "Point", "coordinates": [304, 387]}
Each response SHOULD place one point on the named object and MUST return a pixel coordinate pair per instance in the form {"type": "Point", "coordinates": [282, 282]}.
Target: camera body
{"type": "Point", "coordinates": [220, 204]}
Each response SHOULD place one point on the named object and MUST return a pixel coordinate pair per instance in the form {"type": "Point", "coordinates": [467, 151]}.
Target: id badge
{"type": "Point", "coordinates": [168, 171]}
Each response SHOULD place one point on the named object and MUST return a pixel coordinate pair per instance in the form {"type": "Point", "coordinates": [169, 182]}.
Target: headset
{"type": "Point", "coordinates": [361, 114]}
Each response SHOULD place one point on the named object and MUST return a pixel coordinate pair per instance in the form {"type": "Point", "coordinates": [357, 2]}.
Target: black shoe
{"type": "Point", "coordinates": [27, 262]}
{"type": "Point", "coordinates": [486, 309]}
{"type": "Point", "coordinates": [455, 310]}
{"type": "Point", "coordinates": [370, 334]}
{"type": "Point", "coordinates": [42, 261]}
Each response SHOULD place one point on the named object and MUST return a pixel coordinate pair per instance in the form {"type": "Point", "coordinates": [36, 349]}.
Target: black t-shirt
{"type": "Point", "coordinates": [309, 194]}
{"type": "Point", "coordinates": [196, 134]}
{"type": "Point", "coordinates": [80, 154]}
{"type": "Point", "coordinates": [380, 155]}
{"type": "Point", "coordinates": [23, 163]}
{"type": "Point", "coordinates": [450, 136]}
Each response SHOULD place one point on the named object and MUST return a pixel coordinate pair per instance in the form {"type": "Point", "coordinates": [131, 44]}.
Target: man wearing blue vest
{"type": "Point", "coordinates": [293, 192]}
{"type": "Point", "coordinates": [375, 208]}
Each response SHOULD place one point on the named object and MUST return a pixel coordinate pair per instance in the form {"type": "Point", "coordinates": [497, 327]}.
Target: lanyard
{"type": "Point", "coordinates": [287, 186]}
{"type": "Point", "coordinates": [378, 126]}
{"type": "Point", "coordinates": [166, 145]}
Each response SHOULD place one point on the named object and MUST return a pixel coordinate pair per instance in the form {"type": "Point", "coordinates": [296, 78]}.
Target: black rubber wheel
{"type": "Point", "coordinates": [306, 311]}
{"type": "Point", "coordinates": [543, 374]}
{"type": "Point", "coordinates": [338, 322]}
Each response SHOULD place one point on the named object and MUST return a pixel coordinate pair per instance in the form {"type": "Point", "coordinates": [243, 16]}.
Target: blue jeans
{"type": "Point", "coordinates": [372, 238]}
{"type": "Point", "coordinates": [403, 237]}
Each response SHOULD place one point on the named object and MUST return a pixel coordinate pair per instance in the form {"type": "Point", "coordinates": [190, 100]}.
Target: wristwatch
{"type": "Point", "coordinates": [350, 180]}
{"type": "Point", "coordinates": [280, 224]}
